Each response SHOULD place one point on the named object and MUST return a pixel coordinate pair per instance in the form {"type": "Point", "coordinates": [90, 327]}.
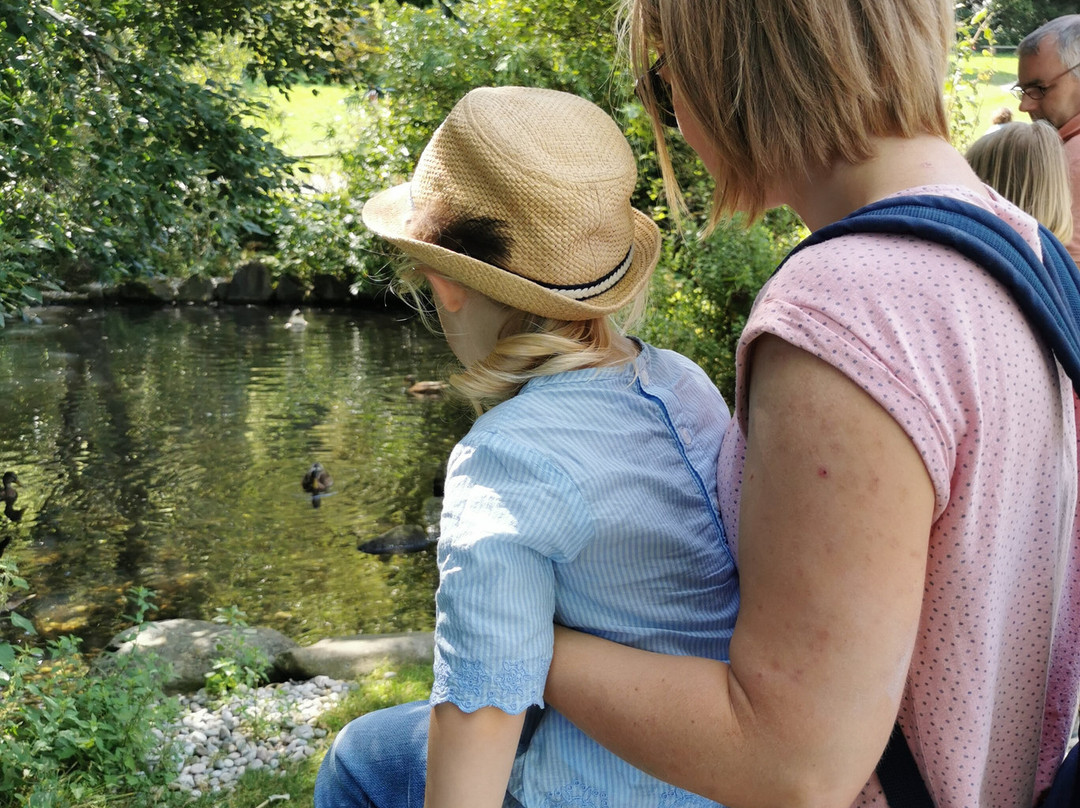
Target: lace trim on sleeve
{"type": "Point", "coordinates": [513, 687]}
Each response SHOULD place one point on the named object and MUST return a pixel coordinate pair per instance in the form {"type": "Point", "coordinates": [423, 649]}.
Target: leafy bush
{"type": "Point", "coordinates": [68, 733]}
{"type": "Point", "coordinates": [316, 233]}
{"type": "Point", "coordinates": [1015, 19]}
{"type": "Point", "coordinates": [239, 663]}
{"type": "Point", "coordinates": [964, 79]}
{"type": "Point", "coordinates": [703, 291]}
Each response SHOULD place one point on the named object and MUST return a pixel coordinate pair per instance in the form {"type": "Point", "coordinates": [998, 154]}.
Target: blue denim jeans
{"type": "Point", "coordinates": [379, 760]}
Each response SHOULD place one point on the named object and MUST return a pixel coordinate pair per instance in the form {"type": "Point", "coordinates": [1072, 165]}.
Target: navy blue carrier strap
{"type": "Point", "coordinates": [1047, 290]}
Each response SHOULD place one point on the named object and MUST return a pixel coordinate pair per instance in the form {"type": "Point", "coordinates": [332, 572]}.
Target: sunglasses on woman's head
{"type": "Point", "coordinates": [661, 93]}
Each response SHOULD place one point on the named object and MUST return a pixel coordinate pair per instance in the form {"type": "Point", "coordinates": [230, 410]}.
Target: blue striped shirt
{"type": "Point", "coordinates": [588, 500]}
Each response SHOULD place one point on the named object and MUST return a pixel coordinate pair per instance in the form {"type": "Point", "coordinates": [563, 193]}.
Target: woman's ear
{"type": "Point", "coordinates": [450, 294]}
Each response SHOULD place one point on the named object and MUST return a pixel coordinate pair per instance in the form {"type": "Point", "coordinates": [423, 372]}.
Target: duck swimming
{"type": "Point", "coordinates": [296, 320]}
{"type": "Point", "coordinates": [8, 494]}
{"type": "Point", "coordinates": [317, 479]}
{"type": "Point", "coordinates": [424, 388]}
{"type": "Point", "coordinates": [317, 482]}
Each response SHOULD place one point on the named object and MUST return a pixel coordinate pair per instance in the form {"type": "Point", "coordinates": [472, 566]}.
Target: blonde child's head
{"type": "Point", "coordinates": [1026, 164]}
{"type": "Point", "coordinates": [522, 198]}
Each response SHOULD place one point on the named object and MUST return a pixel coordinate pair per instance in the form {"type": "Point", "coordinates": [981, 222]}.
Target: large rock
{"type": "Point", "coordinates": [350, 657]}
{"type": "Point", "coordinates": [250, 284]}
{"type": "Point", "coordinates": [190, 647]}
{"type": "Point", "coordinates": [155, 289]}
{"type": "Point", "coordinates": [196, 289]}
{"type": "Point", "coordinates": [289, 290]}
{"type": "Point", "coordinates": [328, 290]}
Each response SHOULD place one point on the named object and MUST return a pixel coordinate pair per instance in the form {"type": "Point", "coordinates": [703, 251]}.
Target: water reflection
{"type": "Point", "coordinates": [166, 448]}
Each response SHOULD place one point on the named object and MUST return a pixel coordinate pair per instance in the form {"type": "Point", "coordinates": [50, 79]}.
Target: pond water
{"type": "Point", "coordinates": [164, 448]}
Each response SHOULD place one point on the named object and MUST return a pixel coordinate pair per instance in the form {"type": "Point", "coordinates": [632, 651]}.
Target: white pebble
{"type": "Point", "coordinates": [260, 728]}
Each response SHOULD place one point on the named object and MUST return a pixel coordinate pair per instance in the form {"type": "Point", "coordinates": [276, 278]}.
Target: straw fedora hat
{"type": "Point", "coordinates": [556, 173]}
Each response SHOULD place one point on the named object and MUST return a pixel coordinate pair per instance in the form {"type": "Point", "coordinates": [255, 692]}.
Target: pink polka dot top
{"type": "Point", "coordinates": [937, 342]}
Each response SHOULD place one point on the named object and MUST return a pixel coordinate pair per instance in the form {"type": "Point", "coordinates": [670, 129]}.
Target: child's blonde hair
{"type": "Point", "coordinates": [1026, 164]}
{"type": "Point", "coordinates": [530, 345]}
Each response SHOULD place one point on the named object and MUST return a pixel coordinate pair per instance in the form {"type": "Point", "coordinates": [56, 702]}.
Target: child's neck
{"type": "Point", "coordinates": [623, 350]}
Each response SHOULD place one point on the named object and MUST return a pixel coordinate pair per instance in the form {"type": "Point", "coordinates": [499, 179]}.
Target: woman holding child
{"type": "Point", "coordinates": [899, 481]}
{"type": "Point", "coordinates": [898, 484]}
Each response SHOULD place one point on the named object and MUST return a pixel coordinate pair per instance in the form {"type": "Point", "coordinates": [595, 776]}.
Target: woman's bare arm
{"type": "Point", "coordinates": [834, 524]}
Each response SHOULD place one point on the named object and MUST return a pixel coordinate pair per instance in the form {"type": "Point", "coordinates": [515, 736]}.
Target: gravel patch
{"type": "Point", "coordinates": [250, 729]}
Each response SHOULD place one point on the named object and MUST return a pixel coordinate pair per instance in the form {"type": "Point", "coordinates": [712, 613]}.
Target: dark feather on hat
{"type": "Point", "coordinates": [483, 238]}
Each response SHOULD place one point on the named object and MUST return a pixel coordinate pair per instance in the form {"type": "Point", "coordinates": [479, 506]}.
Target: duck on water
{"type": "Point", "coordinates": [317, 481]}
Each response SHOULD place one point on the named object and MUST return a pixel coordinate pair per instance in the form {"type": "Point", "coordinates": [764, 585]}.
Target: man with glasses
{"type": "Point", "coordinates": [1049, 89]}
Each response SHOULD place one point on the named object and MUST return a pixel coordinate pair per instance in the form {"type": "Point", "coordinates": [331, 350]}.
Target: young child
{"type": "Point", "coordinates": [584, 495]}
{"type": "Point", "coordinates": [1001, 117]}
{"type": "Point", "coordinates": [1026, 164]}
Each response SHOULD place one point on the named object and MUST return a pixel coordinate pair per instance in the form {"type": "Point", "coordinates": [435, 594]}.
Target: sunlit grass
{"type": "Point", "coordinates": [995, 93]}
{"type": "Point", "coordinates": [314, 124]}
{"type": "Point", "coordinates": [314, 120]}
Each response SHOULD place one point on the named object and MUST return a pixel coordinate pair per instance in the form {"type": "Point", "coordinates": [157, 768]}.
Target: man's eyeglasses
{"type": "Point", "coordinates": [661, 93]}
{"type": "Point", "coordinates": [1037, 92]}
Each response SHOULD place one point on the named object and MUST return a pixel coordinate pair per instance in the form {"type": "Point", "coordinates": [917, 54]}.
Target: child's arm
{"type": "Point", "coordinates": [470, 756]}
{"type": "Point", "coordinates": [507, 513]}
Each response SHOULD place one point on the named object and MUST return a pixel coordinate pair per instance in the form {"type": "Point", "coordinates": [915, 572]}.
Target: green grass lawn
{"type": "Point", "coordinates": [995, 92]}
{"type": "Point", "coordinates": [314, 120]}
{"type": "Point", "coordinates": [315, 124]}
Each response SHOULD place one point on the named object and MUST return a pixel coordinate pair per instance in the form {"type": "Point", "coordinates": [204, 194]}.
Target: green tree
{"type": "Point", "coordinates": [420, 61]}
{"type": "Point", "coordinates": [286, 42]}
{"type": "Point", "coordinates": [113, 163]}
{"type": "Point", "coordinates": [1015, 19]}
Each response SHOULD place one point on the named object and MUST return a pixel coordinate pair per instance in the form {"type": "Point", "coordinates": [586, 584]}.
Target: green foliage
{"type": "Point", "coordinates": [239, 663]}
{"type": "Point", "coordinates": [285, 42]}
{"type": "Point", "coordinates": [703, 290]}
{"type": "Point", "coordinates": [1015, 19]}
{"type": "Point", "coordinates": [128, 143]}
{"type": "Point", "coordinates": [322, 233]}
{"type": "Point", "coordinates": [114, 164]}
{"type": "Point", "coordinates": [964, 79]}
{"type": "Point", "coordinates": [70, 735]}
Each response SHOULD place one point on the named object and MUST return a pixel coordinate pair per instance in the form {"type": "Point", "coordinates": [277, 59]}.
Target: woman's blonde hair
{"type": "Point", "coordinates": [783, 88]}
{"type": "Point", "coordinates": [1026, 164]}
{"type": "Point", "coordinates": [529, 345]}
